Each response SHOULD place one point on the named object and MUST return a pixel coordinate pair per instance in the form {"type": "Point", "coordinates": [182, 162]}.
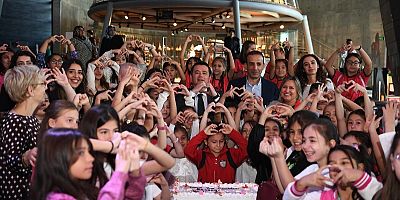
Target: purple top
{"type": "Point", "coordinates": [114, 189]}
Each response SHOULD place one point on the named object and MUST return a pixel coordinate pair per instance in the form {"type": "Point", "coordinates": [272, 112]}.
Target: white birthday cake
{"type": "Point", "coordinates": [207, 191]}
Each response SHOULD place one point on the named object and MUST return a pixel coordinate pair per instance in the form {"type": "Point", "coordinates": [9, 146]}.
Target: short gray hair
{"type": "Point", "coordinates": [18, 79]}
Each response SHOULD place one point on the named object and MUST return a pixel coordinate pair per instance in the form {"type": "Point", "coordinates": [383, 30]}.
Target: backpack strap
{"type": "Point", "coordinates": [228, 155]}
{"type": "Point", "coordinates": [230, 160]}
{"type": "Point", "coordinates": [203, 160]}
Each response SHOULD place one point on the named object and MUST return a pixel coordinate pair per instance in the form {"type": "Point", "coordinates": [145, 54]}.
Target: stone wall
{"type": "Point", "coordinates": [333, 21]}
{"type": "Point", "coordinates": [74, 13]}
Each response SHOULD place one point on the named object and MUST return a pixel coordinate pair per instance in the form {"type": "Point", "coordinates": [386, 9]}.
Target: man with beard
{"type": "Point", "coordinates": [253, 83]}
{"type": "Point", "coordinates": [86, 50]}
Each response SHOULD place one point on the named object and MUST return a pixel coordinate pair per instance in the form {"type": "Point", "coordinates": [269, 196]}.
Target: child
{"type": "Point", "coordinates": [318, 138]}
{"type": "Point", "coordinates": [65, 172]}
{"type": "Point", "coordinates": [216, 162]}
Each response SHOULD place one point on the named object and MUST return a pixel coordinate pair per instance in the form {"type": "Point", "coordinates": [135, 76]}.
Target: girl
{"type": "Point", "coordinates": [173, 70]}
{"type": "Point", "coordinates": [245, 173]}
{"type": "Point", "coordinates": [187, 66]}
{"type": "Point", "coordinates": [318, 138]}
{"type": "Point", "coordinates": [100, 123]}
{"type": "Point", "coordinates": [220, 77]}
{"type": "Point", "coordinates": [184, 170]}
{"type": "Point", "coordinates": [309, 70]}
{"type": "Point", "coordinates": [65, 172]}
{"type": "Point", "coordinates": [351, 174]}
{"type": "Point", "coordinates": [60, 114]}
{"type": "Point", "coordinates": [240, 63]}
{"type": "Point", "coordinates": [216, 162]}
{"type": "Point", "coordinates": [391, 187]}
{"type": "Point", "coordinates": [267, 127]}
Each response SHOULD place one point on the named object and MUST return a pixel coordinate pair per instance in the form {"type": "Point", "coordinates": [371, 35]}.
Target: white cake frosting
{"type": "Point", "coordinates": [222, 191]}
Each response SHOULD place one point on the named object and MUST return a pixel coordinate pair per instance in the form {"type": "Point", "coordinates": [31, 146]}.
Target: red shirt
{"type": "Point", "coordinates": [188, 81]}
{"type": "Point", "coordinates": [239, 69]}
{"type": "Point", "coordinates": [216, 168]}
{"type": "Point", "coordinates": [217, 86]}
{"type": "Point", "coordinates": [339, 78]}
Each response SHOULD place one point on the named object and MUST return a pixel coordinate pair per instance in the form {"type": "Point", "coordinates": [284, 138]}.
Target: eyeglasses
{"type": "Point", "coordinates": [353, 63]}
{"type": "Point", "coordinates": [54, 62]}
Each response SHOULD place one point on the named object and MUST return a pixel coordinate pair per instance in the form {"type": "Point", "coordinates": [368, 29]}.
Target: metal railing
{"type": "Point", "coordinates": [291, 3]}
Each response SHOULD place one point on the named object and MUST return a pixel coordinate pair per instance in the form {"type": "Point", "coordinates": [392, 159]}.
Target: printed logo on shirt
{"type": "Point", "coordinates": [222, 163]}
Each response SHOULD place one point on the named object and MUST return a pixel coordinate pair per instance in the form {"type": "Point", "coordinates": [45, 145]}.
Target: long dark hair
{"type": "Point", "coordinates": [22, 53]}
{"type": "Point", "coordinates": [391, 187]}
{"type": "Point", "coordinates": [94, 118]}
{"type": "Point", "coordinates": [301, 73]}
{"type": "Point", "coordinates": [243, 52]}
{"type": "Point", "coordinates": [56, 153]}
{"type": "Point", "coordinates": [67, 64]}
{"type": "Point", "coordinates": [55, 110]}
{"type": "Point", "coordinates": [353, 154]}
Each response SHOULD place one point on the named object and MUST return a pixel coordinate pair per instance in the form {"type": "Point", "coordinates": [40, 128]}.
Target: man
{"type": "Point", "coordinates": [253, 82]}
{"type": "Point", "coordinates": [232, 42]}
{"type": "Point", "coordinates": [111, 41]}
{"type": "Point", "coordinates": [202, 91]}
{"type": "Point", "coordinates": [86, 50]}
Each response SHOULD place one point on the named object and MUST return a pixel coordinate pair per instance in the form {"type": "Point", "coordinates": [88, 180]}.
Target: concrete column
{"type": "Point", "coordinates": [1, 7]}
{"type": "Point", "coordinates": [307, 33]}
{"type": "Point", "coordinates": [107, 18]}
{"type": "Point", "coordinates": [236, 13]}
{"type": "Point", "coordinates": [56, 24]}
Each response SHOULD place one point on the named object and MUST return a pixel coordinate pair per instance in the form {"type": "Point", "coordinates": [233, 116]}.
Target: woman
{"type": "Point", "coordinates": [352, 70]}
{"type": "Point", "coordinates": [309, 70]}
{"type": "Point", "coordinates": [26, 85]}
{"type": "Point", "coordinates": [290, 92]}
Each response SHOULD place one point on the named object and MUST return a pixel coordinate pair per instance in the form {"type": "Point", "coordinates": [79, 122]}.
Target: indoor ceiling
{"type": "Point", "coordinates": [194, 18]}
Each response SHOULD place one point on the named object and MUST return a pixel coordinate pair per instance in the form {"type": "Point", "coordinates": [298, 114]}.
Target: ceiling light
{"type": "Point", "coordinates": [143, 18]}
{"type": "Point", "coordinates": [223, 26]}
{"type": "Point", "coordinates": [126, 17]}
{"type": "Point", "coordinates": [227, 15]}
{"type": "Point", "coordinates": [212, 20]}
{"type": "Point", "coordinates": [220, 16]}
{"type": "Point", "coordinates": [186, 29]}
{"type": "Point", "coordinates": [282, 26]}
{"type": "Point", "coordinates": [172, 33]}
{"type": "Point", "coordinates": [175, 24]}
{"type": "Point", "coordinates": [181, 31]}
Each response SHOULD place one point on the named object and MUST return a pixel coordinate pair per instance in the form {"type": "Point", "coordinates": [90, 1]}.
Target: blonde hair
{"type": "Point", "coordinates": [18, 79]}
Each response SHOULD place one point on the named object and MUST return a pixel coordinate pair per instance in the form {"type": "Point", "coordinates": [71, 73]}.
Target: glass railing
{"type": "Point", "coordinates": [290, 3]}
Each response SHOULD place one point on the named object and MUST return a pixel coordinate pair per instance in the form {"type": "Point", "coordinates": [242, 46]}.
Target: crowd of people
{"type": "Point", "coordinates": [121, 125]}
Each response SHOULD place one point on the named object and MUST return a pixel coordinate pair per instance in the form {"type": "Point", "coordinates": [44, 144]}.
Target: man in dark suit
{"type": "Point", "coordinates": [202, 92]}
{"type": "Point", "coordinates": [253, 82]}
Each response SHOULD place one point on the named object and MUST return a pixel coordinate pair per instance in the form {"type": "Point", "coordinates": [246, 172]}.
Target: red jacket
{"type": "Point", "coordinates": [216, 168]}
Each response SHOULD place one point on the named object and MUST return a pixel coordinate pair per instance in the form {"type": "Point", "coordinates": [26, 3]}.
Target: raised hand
{"type": "Point", "coordinates": [123, 158]}
{"type": "Point", "coordinates": [226, 129]}
{"type": "Point", "coordinates": [211, 129]}
{"type": "Point", "coordinates": [60, 77]}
